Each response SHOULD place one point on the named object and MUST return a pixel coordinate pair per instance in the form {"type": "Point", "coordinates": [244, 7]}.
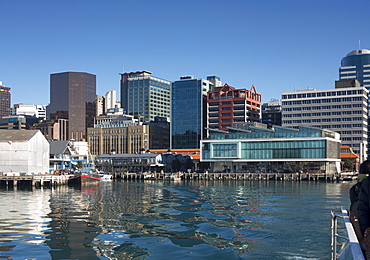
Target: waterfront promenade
{"type": "Point", "coordinates": [55, 180]}
{"type": "Point", "coordinates": [233, 176]}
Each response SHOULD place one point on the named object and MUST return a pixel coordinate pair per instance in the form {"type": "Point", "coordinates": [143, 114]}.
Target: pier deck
{"type": "Point", "coordinates": [34, 180]}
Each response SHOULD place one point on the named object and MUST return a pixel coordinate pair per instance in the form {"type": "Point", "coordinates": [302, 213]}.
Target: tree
{"type": "Point", "coordinates": [348, 165]}
{"type": "Point", "coordinates": [79, 165]}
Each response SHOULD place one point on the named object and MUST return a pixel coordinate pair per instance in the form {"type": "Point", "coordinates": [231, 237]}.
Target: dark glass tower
{"type": "Point", "coordinates": [356, 65]}
{"type": "Point", "coordinates": [72, 96]}
{"type": "Point", "coordinates": [4, 100]}
{"type": "Point", "coordinates": [188, 112]}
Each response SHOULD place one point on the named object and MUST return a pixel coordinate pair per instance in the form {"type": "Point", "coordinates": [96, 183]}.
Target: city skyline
{"type": "Point", "coordinates": [275, 46]}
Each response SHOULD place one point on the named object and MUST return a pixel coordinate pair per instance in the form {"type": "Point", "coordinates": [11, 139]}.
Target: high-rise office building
{"type": "Point", "coordinates": [100, 104]}
{"type": "Point", "coordinates": [356, 65]}
{"type": "Point", "coordinates": [188, 111]}
{"type": "Point", "coordinates": [110, 100]}
{"type": "Point", "coordinates": [145, 96]}
{"type": "Point", "coordinates": [271, 113]}
{"type": "Point", "coordinates": [343, 110]}
{"type": "Point", "coordinates": [4, 100]}
{"type": "Point", "coordinates": [227, 105]}
{"type": "Point", "coordinates": [72, 97]}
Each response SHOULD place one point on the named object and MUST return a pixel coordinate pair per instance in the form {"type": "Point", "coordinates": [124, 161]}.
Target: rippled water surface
{"type": "Point", "coordinates": [171, 220]}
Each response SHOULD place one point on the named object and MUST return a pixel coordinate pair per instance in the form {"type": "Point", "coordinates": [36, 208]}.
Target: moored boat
{"type": "Point", "coordinates": [106, 177]}
{"type": "Point", "coordinates": [84, 178]}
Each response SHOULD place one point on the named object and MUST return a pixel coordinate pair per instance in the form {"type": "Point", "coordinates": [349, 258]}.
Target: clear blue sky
{"type": "Point", "coordinates": [274, 44]}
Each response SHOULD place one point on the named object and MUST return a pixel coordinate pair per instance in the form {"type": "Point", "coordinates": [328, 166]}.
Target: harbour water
{"type": "Point", "coordinates": [171, 220]}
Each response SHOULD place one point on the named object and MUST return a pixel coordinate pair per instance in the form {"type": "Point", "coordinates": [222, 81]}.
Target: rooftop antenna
{"type": "Point", "coordinates": [359, 44]}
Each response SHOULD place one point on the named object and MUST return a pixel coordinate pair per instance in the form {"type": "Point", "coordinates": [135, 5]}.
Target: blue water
{"type": "Point", "coordinates": [171, 220]}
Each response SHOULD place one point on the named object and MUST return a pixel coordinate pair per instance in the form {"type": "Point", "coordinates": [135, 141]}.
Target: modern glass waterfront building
{"type": "Point", "coordinates": [145, 96]}
{"type": "Point", "coordinates": [254, 147]}
{"type": "Point", "coordinates": [343, 110]}
{"type": "Point", "coordinates": [188, 112]}
{"type": "Point", "coordinates": [356, 65]}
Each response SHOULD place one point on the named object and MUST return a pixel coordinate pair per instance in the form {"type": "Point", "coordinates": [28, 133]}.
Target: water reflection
{"type": "Point", "coordinates": [71, 228]}
{"type": "Point", "coordinates": [149, 220]}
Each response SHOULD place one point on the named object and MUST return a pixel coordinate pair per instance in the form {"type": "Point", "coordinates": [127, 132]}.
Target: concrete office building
{"type": "Point", "coordinates": [120, 133]}
{"type": "Point", "coordinates": [38, 111]}
{"type": "Point", "coordinates": [189, 111]}
{"type": "Point", "coordinates": [343, 110]}
{"type": "Point", "coordinates": [72, 97]}
{"type": "Point", "coordinates": [145, 96]}
{"type": "Point", "coordinates": [227, 105]}
{"type": "Point", "coordinates": [53, 129]}
{"type": "Point", "coordinates": [4, 100]}
{"type": "Point", "coordinates": [100, 104]}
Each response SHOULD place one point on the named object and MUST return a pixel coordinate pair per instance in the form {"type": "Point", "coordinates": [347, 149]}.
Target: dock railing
{"type": "Point", "coordinates": [346, 241]}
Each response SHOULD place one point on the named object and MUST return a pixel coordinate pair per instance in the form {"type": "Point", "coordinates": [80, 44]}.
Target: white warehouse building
{"type": "Point", "coordinates": [23, 152]}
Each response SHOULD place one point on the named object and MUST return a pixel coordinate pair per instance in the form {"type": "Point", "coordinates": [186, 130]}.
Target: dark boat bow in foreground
{"type": "Point", "coordinates": [84, 178]}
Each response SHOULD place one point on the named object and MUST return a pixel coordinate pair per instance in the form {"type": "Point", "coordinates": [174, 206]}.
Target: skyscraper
{"type": "Point", "coordinates": [72, 96]}
{"type": "Point", "coordinates": [356, 65]}
{"type": "Point", "coordinates": [188, 111]}
{"type": "Point", "coordinates": [145, 96]}
{"type": "Point", "coordinates": [4, 100]}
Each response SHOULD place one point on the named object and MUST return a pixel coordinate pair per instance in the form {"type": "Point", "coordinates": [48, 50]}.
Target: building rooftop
{"type": "Point", "coordinates": [58, 146]}
{"type": "Point", "coordinates": [358, 52]}
{"type": "Point", "coordinates": [16, 135]}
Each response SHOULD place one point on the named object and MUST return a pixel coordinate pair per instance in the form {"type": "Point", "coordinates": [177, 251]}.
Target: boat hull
{"type": "Point", "coordinates": [85, 179]}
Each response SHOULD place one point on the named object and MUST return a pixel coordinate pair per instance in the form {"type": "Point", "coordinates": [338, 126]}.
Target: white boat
{"type": "Point", "coordinates": [106, 177]}
{"type": "Point", "coordinates": [175, 177]}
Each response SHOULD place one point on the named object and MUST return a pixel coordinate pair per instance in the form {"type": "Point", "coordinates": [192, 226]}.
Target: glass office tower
{"type": "Point", "coordinates": [145, 96]}
{"type": "Point", "coordinates": [188, 113]}
{"type": "Point", "coordinates": [72, 97]}
{"type": "Point", "coordinates": [356, 65]}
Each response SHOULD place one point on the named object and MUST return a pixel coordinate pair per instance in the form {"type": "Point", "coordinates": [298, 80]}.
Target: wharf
{"type": "Point", "coordinates": [234, 176]}
{"type": "Point", "coordinates": [33, 180]}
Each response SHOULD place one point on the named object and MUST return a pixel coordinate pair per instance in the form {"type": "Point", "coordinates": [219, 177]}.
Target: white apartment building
{"type": "Point", "coordinates": [110, 100]}
{"type": "Point", "coordinates": [343, 110]}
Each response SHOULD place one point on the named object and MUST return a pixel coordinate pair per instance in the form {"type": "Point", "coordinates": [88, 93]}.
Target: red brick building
{"type": "Point", "coordinates": [227, 105]}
